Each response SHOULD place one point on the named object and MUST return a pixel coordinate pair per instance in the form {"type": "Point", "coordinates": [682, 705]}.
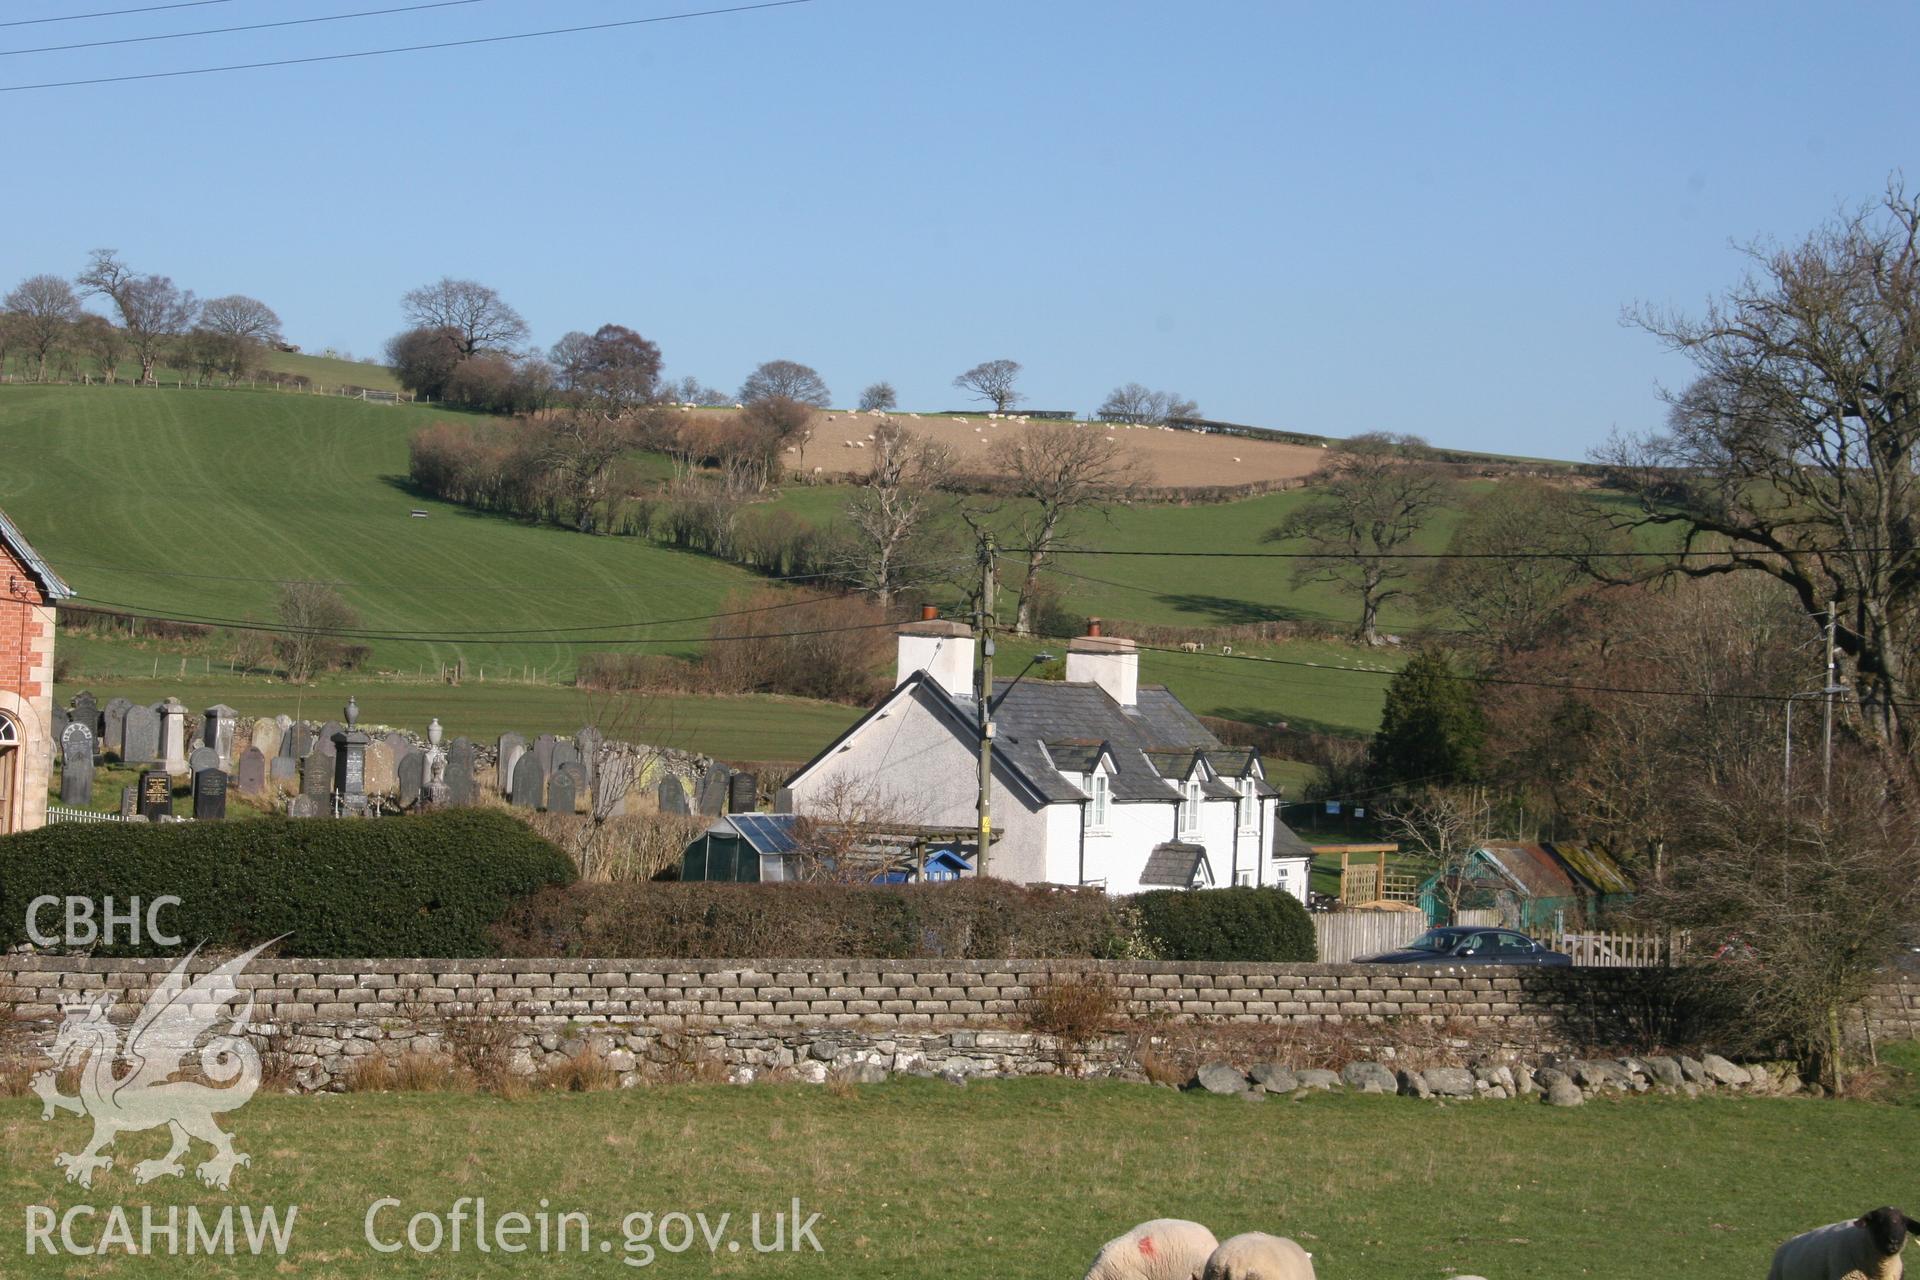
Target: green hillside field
{"type": "Point", "coordinates": [193, 503]}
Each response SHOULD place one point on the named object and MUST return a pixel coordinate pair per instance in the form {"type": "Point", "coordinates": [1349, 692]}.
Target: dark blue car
{"type": "Point", "coordinates": [1469, 944]}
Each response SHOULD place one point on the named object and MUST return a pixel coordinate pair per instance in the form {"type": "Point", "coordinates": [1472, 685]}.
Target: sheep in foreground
{"type": "Point", "coordinates": [1258, 1256]}
{"type": "Point", "coordinates": [1868, 1248]}
{"type": "Point", "coordinates": [1163, 1249]}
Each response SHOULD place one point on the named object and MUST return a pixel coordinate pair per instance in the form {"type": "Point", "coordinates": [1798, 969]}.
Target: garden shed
{"type": "Point", "coordinates": [1554, 886]}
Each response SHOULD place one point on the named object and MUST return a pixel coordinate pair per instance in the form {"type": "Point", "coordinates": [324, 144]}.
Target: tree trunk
{"type": "Point", "coordinates": [1369, 632]}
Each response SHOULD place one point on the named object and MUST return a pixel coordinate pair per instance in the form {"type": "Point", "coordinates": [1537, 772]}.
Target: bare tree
{"type": "Point", "coordinates": [852, 831]}
{"type": "Point", "coordinates": [242, 329]}
{"type": "Point", "coordinates": [153, 311]}
{"type": "Point", "coordinates": [1444, 827]}
{"type": "Point", "coordinates": [993, 380]}
{"type": "Point", "coordinates": [44, 309]}
{"type": "Point", "coordinates": [690, 390]}
{"type": "Point", "coordinates": [105, 341]}
{"type": "Point", "coordinates": [1137, 404]}
{"type": "Point", "coordinates": [1374, 496]}
{"type": "Point", "coordinates": [879, 396]}
{"type": "Point", "coordinates": [613, 371]}
{"type": "Point", "coordinates": [1793, 450]}
{"type": "Point", "coordinates": [635, 730]}
{"type": "Point", "coordinates": [891, 514]}
{"type": "Point", "coordinates": [1060, 470]}
{"type": "Point", "coordinates": [477, 317]}
{"type": "Point", "coordinates": [312, 615]}
{"type": "Point", "coordinates": [788, 379]}
{"type": "Point", "coordinates": [1498, 583]}
{"type": "Point", "coordinates": [577, 451]}
{"type": "Point", "coordinates": [1792, 908]}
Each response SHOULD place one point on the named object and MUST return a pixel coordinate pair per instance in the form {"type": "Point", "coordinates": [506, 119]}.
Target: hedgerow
{"type": "Point", "coordinates": [1240, 923]}
{"type": "Point", "coordinates": [428, 886]}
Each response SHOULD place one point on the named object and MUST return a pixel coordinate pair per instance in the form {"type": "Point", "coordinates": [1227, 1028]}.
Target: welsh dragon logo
{"type": "Point", "coordinates": [155, 1049]}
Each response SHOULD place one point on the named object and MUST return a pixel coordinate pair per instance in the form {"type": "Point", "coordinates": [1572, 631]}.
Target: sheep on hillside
{"type": "Point", "coordinates": [1163, 1249]}
{"type": "Point", "coordinates": [1868, 1248]}
{"type": "Point", "coordinates": [1258, 1256]}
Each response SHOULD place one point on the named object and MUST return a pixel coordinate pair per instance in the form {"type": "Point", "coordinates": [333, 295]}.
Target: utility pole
{"type": "Point", "coordinates": [986, 702]}
{"type": "Point", "coordinates": [1827, 745]}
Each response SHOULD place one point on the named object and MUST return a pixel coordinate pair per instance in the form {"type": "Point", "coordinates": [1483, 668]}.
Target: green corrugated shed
{"type": "Point", "coordinates": [1534, 885]}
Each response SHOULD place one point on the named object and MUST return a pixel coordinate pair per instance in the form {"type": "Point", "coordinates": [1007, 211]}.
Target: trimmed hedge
{"type": "Point", "coordinates": [429, 886]}
{"type": "Point", "coordinates": [964, 920]}
{"type": "Point", "coordinates": [1267, 925]}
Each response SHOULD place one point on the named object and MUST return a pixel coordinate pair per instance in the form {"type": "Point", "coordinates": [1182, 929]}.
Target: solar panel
{"type": "Point", "coordinates": [766, 832]}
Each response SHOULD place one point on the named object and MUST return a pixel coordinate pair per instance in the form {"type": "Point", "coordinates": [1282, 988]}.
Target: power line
{"type": "Point", "coordinates": [410, 48]}
{"type": "Point", "coordinates": [111, 13]}
{"type": "Point", "coordinates": [1455, 555]}
{"type": "Point", "coordinates": [516, 588]}
{"type": "Point", "coordinates": [221, 31]}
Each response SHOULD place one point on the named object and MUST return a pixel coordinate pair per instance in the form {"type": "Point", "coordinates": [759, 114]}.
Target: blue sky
{"type": "Point", "coordinates": [1331, 218]}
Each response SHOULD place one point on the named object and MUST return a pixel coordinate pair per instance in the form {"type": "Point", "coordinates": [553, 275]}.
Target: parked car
{"type": "Point", "coordinates": [1473, 945]}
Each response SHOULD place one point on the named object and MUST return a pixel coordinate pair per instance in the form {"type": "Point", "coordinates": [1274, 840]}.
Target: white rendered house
{"type": "Point", "coordinates": [1097, 779]}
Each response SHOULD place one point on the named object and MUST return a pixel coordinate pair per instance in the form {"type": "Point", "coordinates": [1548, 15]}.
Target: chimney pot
{"type": "Point", "coordinates": [928, 613]}
{"type": "Point", "coordinates": [1093, 626]}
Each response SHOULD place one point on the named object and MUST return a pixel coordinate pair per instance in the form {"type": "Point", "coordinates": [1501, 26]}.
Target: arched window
{"type": "Point", "coordinates": [9, 765]}
{"type": "Point", "coordinates": [9, 735]}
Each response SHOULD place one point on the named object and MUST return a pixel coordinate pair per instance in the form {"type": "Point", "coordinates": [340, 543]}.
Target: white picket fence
{"type": "Point", "coordinates": [1609, 950]}
{"type": "Point", "coordinates": [1348, 935]}
{"type": "Point", "coordinates": [66, 813]}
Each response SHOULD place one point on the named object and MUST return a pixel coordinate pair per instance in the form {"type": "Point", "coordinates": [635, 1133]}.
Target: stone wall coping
{"type": "Point", "coordinates": [24, 963]}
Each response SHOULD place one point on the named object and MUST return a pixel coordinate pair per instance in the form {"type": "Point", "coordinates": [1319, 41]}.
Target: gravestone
{"type": "Point", "coordinates": [216, 730]}
{"type": "Point", "coordinates": [76, 767]}
{"type": "Point", "coordinates": [564, 752]}
{"type": "Point", "coordinates": [113, 723]}
{"type": "Point", "coordinates": [156, 794]}
{"type": "Point", "coordinates": [713, 790]}
{"type": "Point", "coordinates": [303, 738]}
{"type": "Point", "coordinates": [324, 742]}
{"type": "Point", "coordinates": [512, 747]}
{"type": "Point", "coordinates": [173, 737]}
{"type": "Point", "coordinates": [130, 802]}
{"type": "Point", "coordinates": [140, 736]}
{"type": "Point", "coordinates": [673, 796]}
{"type": "Point", "coordinates": [251, 777]}
{"type": "Point", "coordinates": [76, 736]}
{"type": "Point", "coordinates": [588, 742]}
{"type": "Point", "coordinates": [543, 752]}
{"type": "Point", "coordinates": [86, 709]}
{"type": "Point", "coordinates": [283, 773]}
{"type": "Point", "coordinates": [382, 779]}
{"type": "Point", "coordinates": [266, 736]}
{"type": "Point", "coordinates": [316, 777]}
{"type": "Point", "coordinates": [396, 742]}
{"type": "Point", "coordinates": [202, 758]}
{"type": "Point", "coordinates": [461, 788]}
{"type": "Point", "coordinates": [528, 786]}
{"type": "Point", "coordinates": [60, 722]}
{"type": "Point", "coordinates": [210, 795]}
{"type": "Point", "coordinates": [783, 800]}
{"type": "Point", "coordinates": [305, 806]}
{"type": "Point", "coordinates": [411, 777]}
{"type": "Point", "coordinates": [743, 793]}
{"type": "Point", "coordinates": [560, 790]}
{"type": "Point", "coordinates": [350, 765]}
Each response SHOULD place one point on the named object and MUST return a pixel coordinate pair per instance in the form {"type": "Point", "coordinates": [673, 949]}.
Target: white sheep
{"type": "Point", "coordinates": [1868, 1248]}
{"type": "Point", "coordinates": [1258, 1256]}
{"type": "Point", "coordinates": [1163, 1249]}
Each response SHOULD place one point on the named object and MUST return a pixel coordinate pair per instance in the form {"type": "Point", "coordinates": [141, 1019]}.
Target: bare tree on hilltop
{"type": "Point", "coordinates": [474, 314]}
{"type": "Point", "coordinates": [786, 378]}
{"type": "Point", "coordinates": [1368, 502]}
{"type": "Point", "coordinates": [43, 310]}
{"type": "Point", "coordinates": [239, 328]}
{"type": "Point", "coordinates": [1139, 405]}
{"type": "Point", "coordinates": [1061, 470]}
{"type": "Point", "coordinates": [1792, 453]}
{"type": "Point", "coordinates": [153, 311]}
{"type": "Point", "coordinates": [993, 380]}
{"type": "Point", "coordinates": [613, 370]}
{"type": "Point", "coordinates": [879, 396]}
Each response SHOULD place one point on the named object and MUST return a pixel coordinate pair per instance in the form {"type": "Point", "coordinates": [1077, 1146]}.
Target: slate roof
{"type": "Point", "coordinates": [1173, 865]}
{"type": "Point", "coordinates": [1286, 844]}
{"type": "Point", "coordinates": [16, 542]}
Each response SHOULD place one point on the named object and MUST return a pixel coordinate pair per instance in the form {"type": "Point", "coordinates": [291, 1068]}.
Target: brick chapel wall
{"type": "Point", "coordinates": [26, 688]}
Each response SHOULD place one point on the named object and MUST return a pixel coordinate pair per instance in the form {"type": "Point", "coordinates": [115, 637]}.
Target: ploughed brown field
{"type": "Point", "coordinates": [1175, 459]}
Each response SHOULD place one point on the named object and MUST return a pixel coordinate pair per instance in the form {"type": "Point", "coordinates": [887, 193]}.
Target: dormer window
{"type": "Point", "coordinates": [1099, 788]}
{"type": "Point", "coordinates": [1249, 806]}
{"type": "Point", "coordinates": [1190, 806]}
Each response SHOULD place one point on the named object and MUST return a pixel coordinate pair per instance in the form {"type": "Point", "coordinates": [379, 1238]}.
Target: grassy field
{"type": "Point", "coordinates": [1016, 1179]}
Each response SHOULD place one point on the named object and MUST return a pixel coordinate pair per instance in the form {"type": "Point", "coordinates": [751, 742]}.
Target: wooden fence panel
{"type": "Point", "coordinates": [1349, 935]}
